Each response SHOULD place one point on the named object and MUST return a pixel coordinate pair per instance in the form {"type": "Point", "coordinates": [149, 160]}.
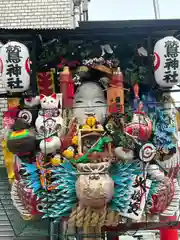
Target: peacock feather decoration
{"type": "Point", "coordinates": [64, 178]}
{"type": "Point", "coordinates": [164, 131]}
{"type": "Point", "coordinates": [163, 126]}
{"type": "Point", "coordinates": [58, 197]}
{"type": "Point", "coordinates": [123, 176]}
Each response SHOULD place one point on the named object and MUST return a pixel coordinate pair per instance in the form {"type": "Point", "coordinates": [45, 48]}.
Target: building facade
{"type": "Point", "coordinates": [36, 14]}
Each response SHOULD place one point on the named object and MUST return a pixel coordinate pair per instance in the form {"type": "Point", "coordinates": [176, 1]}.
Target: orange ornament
{"type": "Point", "coordinates": [136, 90]}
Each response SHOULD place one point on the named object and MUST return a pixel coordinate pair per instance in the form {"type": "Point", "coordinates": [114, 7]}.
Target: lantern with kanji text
{"type": "Point", "coordinates": [167, 61]}
{"type": "Point", "coordinates": [15, 67]}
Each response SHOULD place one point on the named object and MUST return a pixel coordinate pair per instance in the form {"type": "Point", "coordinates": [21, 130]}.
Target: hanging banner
{"type": "Point", "coordinates": [138, 195]}
{"type": "Point", "coordinates": [167, 62]}
{"type": "Point", "coordinates": [15, 67]}
{"type": "Point", "coordinates": [45, 82]}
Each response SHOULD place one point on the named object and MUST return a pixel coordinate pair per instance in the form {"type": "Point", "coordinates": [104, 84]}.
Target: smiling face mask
{"type": "Point", "coordinates": [89, 100]}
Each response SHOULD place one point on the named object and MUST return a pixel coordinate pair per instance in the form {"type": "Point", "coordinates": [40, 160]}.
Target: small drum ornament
{"type": "Point", "coordinates": [147, 152]}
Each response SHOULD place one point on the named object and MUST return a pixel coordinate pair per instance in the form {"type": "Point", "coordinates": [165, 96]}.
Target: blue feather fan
{"type": "Point", "coordinates": [122, 175]}
{"type": "Point", "coordinates": [59, 201]}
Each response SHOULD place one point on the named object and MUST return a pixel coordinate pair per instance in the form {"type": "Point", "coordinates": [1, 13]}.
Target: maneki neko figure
{"type": "Point", "coordinates": [49, 123]}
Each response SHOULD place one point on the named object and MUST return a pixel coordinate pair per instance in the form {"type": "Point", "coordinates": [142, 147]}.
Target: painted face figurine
{"type": "Point", "coordinates": [89, 100]}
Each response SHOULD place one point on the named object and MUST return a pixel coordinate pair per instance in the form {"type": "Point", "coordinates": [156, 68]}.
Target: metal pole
{"type": "Point", "coordinates": [156, 9]}
{"type": "Point", "coordinates": [53, 231]}
{"type": "Point", "coordinates": [61, 231]}
{"type": "Point", "coordinates": [33, 74]}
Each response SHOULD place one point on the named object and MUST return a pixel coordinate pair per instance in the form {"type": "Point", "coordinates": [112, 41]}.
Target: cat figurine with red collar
{"type": "Point", "coordinates": [49, 123]}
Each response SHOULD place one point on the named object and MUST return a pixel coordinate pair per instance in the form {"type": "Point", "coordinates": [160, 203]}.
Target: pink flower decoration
{"type": "Point", "coordinates": [7, 122]}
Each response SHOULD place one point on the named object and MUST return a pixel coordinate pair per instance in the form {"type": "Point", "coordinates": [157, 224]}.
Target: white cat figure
{"type": "Point", "coordinates": [31, 102]}
{"type": "Point", "coordinates": [50, 122]}
{"type": "Point", "coordinates": [50, 116]}
{"type": "Point", "coordinates": [49, 102]}
{"type": "Point", "coordinates": [50, 145]}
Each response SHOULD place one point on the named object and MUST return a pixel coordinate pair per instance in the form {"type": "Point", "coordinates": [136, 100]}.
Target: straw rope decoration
{"type": "Point", "coordinates": [88, 217]}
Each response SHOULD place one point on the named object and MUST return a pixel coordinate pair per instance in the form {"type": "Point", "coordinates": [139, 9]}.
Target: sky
{"type": "Point", "coordinates": [132, 9]}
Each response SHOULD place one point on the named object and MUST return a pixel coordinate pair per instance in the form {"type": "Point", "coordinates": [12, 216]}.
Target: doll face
{"type": "Point", "coordinates": [89, 100]}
